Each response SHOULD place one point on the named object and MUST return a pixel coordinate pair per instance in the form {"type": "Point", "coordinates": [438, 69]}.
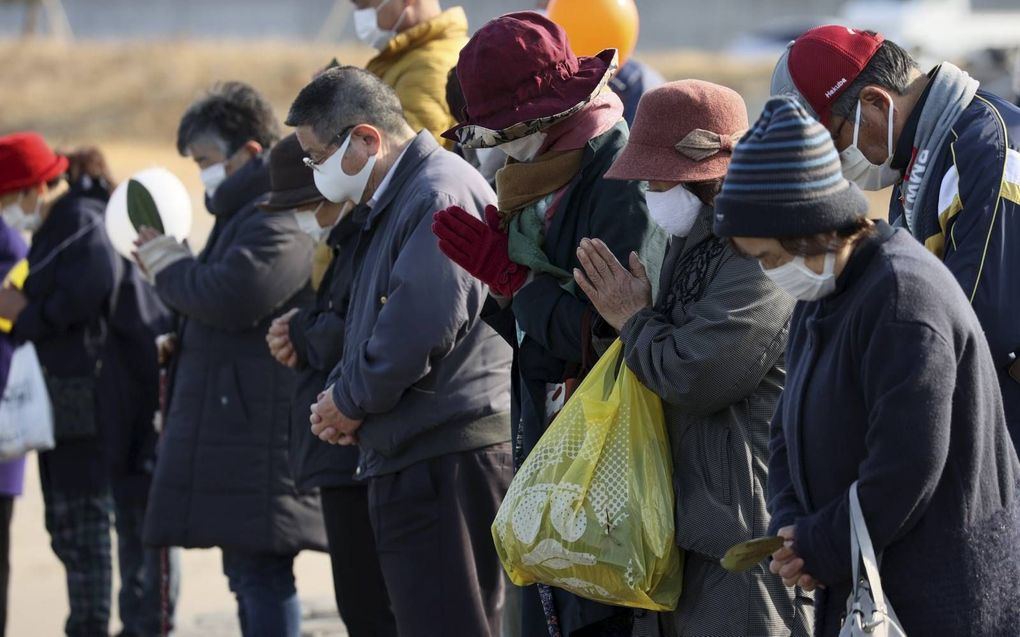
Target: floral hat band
{"type": "Point", "coordinates": [479, 136]}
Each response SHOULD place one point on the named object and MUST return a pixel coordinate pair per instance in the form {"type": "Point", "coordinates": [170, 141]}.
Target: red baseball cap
{"type": "Point", "coordinates": [822, 63]}
{"type": "Point", "coordinates": [26, 160]}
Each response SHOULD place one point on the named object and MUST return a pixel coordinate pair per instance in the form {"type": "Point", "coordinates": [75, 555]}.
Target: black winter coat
{"type": "Point", "coordinates": [129, 384]}
{"type": "Point", "coordinates": [73, 273]}
{"type": "Point", "coordinates": [223, 476]}
{"type": "Point", "coordinates": [317, 334]}
{"type": "Point", "coordinates": [891, 383]}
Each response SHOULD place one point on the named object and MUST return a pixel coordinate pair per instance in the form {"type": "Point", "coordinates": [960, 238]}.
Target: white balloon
{"type": "Point", "coordinates": [172, 201]}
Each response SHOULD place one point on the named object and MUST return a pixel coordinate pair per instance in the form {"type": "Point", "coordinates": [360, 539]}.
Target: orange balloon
{"type": "Point", "coordinates": [594, 25]}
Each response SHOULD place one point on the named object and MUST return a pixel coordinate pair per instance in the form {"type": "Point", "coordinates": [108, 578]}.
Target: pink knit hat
{"type": "Point", "coordinates": [683, 131]}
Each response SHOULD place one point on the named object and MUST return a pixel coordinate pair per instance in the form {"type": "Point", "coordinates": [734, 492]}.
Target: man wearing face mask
{"type": "Point", "coordinates": [418, 44]}
{"type": "Point", "coordinates": [310, 340]}
{"type": "Point", "coordinates": [63, 309]}
{"type": "Point", "coordinates": [953, 152]}
{"type": "Point", "coordinates": [711, 346]}
{"type": "Point", "coordinates": [421, 386]}
{"type": "Point", "coordinates": [222, 476]}
{"type": "Point", "coordinates": [553, 114]}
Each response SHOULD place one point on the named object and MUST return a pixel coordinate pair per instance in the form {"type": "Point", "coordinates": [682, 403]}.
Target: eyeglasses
{"type": "Point", "coordinates": [336, 141]}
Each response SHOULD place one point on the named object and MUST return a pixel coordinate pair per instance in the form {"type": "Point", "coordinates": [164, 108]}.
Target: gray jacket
{"type": "Point", "coordinates": [426, 375]}
{"type": "Point", "coordinates": [222, 477]}
{"type": "Point", "coordinates": [712, 349]}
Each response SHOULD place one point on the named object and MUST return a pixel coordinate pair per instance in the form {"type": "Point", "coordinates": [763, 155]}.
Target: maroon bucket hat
{"type": "Point", "coordinates": [683, 131]}
{"type": "Point", "coordinates": [519, 75]}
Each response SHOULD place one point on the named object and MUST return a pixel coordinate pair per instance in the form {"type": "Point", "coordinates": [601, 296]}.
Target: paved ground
{"type": "Point", "coordinates": [38, 597]}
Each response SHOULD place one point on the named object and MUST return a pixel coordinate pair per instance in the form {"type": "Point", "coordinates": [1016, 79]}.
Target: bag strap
{"type": "Point", "coordinates": [862, 551]}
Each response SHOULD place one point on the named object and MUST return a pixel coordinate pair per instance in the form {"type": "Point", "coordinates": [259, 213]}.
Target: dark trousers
{"type": "Point", "coordinates": [267, 600]}
{"type": "Point", "coordinates": [431, 524]}
{"type": "Point", "coordinates": [78, 507]}
{"type": "Point", "coordinates": [140, 599]}
{"type": "Point", "coordinates": [6, 511]}
{"type": "Point", "coordinates": [358, 582]}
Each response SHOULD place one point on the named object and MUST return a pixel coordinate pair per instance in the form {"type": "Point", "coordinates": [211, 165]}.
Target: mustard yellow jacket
{"type": "Point", "coordinates": [416, 62]}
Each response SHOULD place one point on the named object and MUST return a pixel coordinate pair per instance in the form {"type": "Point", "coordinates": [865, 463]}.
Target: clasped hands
{"type": "Point", "coordinates": [278, 339]}
{"type": "Point", "coordinates": [480, 247]}
{"type": "Point", "coordinates": [331, 425]}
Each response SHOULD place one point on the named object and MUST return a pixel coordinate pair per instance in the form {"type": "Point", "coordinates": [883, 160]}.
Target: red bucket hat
{"type": "Point", "coordinates": [519, 75]}
{"type": "Point", "coordinates": [683, 131]}
{"type": "Point", "coordinates": [26, 160]}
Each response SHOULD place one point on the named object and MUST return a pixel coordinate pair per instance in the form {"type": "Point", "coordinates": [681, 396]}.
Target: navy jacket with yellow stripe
{"type": "Point", "coordinates": [971, 220]}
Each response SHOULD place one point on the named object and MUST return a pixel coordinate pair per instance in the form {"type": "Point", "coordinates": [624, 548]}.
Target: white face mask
{"type": "Point", "coordinates": [858, 169]}
{"type": "Point", "coordinates": [801, 282]}
{"type": "Point", "coordinates": [309, 225]}
{"type": "Point", "coordinates": [525, 148]}
{"type": "Point", "coordinates": [14, 216]}
{"type": "Point", "coordinates": [366, 26]}
{"type": "Point", "coordinates": [213, 176]}
{"type": "Point", "coordinates": [674, 210]}
{"type": "Point", "coordinates": [335, 184]}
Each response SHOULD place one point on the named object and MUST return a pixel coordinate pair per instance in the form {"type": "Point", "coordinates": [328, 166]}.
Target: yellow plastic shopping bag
{"type": "Point", "coordinates": [591, 509]}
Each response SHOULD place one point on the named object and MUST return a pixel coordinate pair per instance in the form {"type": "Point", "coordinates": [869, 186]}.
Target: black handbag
{"type": "Point", "coordinates": [74, 407]}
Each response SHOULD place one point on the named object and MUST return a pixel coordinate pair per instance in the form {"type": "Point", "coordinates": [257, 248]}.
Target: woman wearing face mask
{"type": "Point", "coordinates": [63, 310]}
{"type": "Point", "coordinates": [891, 384]}
{"type": "Point", "coordinates": [310, 340]}
{"type": "Point", "coordinates": [710, 345]}
{"type": "Point", "coordinates": [562, 135]}
{"type": "Point", "coordinates": [222, 477]}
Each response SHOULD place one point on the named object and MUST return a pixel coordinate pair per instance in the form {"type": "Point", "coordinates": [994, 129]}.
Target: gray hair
{"type": "Point", "coordinates": [890, 67]}
{"type": "Point", "coordinates": [346, 96]}
{"type": "Point", "coordinates": [230, 114]}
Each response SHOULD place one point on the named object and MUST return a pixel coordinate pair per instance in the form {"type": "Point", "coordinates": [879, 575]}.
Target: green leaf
{"type": "Point", "coordinates": [142, 210]}
{"type": "Point", "coordinates": [747, 554]}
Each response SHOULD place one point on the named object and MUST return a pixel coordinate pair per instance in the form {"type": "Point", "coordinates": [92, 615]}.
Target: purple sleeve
{"type": "Point", "coordinates": [12, 476]}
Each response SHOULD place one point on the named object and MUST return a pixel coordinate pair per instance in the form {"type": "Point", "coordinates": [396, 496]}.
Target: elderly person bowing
{"type": "Point", "coordinates": [891, 388]}
{"type": "Point", "coordinates": [711, 346]}
{"type": "Point", "coordinates": [553, 114]}
{"type": "Point", "coordinates": [222, 476]}
{"type": "Point", "coordinates": [421, 382]}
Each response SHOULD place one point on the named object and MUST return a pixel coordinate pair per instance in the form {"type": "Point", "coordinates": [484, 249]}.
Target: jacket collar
{"type": "Point", "coordinates": [903, 154]}
{"type": "Point", "coordinates": [238, 190]}
{"type": "Point", "coordinates": [449, 24]}
{"type": "Point", "coordinates": [408, 164]}
{"type": "Point", "coordinates": [861, 258]}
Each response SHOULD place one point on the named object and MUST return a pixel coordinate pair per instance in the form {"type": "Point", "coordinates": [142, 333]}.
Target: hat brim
{"type": "Point", "coordinates": [282, 200]}
{"type": "Point", "coordinates": [591, 78]}
{"type": "Point", "coordinates": [746, 217]}
{"type": "Point", "coordinates": [641, 162]}
{"type": "Point", "coordinates": [54, 170]}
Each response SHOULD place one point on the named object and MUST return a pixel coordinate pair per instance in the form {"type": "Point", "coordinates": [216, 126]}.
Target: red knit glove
{"type": "Point", "coordinates": [480, 248]}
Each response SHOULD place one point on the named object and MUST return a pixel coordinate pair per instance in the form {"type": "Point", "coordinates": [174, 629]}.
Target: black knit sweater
{"type": "Point", "coordinates": [890, 382]}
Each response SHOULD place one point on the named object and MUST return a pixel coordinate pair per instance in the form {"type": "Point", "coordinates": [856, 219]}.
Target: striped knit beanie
{"type": "Point", "coordinates": [785, 179]}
